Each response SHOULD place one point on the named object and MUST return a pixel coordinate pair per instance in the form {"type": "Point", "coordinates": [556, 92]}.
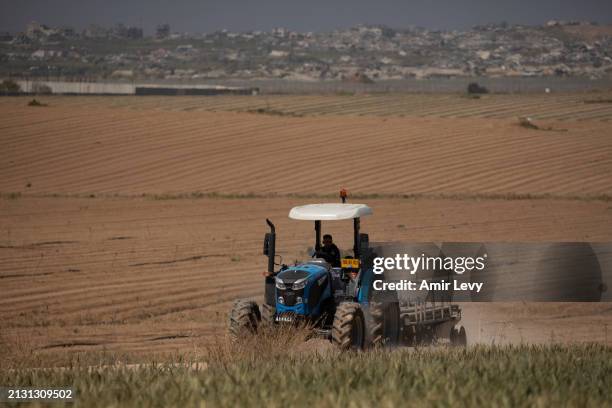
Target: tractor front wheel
{"type": "Point", "coordinates": [244, 319]}
{"type": "Point", "coordinates": [348, 331]}
{"type": "Point", "coordinates": [267, 314]}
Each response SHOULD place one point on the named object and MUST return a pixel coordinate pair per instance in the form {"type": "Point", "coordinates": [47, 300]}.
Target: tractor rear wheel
{"type": "Point", "coordinates": [383, 324]}
{"type": "Point", "coordinates": [244, 319]}
{"type": "Point", "coordinates": [348, 331]}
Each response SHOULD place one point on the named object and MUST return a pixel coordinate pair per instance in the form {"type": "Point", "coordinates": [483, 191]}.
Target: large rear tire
{"type": "Point", "coordinates": [383, 324]}
{"type": "Point", "coordinates": [244, 319]}
{"type": "Point", "coordinates": [348, 331]}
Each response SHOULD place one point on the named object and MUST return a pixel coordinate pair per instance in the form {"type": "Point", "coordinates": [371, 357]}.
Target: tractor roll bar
{"type": "Point", "coordinates": [317, 235]}
{"type": "Point", "coordinates": [356, 237]}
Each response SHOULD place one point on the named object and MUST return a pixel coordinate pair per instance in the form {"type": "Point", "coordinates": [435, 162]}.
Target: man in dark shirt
{"type": "Point", "coordinates": [329, 251]}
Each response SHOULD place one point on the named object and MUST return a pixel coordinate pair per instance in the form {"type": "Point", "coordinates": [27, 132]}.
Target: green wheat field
{"type": "Point", "coordinates": [258, 375]}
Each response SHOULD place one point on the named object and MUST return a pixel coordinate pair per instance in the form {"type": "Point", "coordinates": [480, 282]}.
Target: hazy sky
{"type": "Point", "coordinates": [303, 15]}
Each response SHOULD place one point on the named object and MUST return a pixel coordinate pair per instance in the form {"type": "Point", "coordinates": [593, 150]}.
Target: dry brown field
{"type": "Point", "coordinates": [128, 225]}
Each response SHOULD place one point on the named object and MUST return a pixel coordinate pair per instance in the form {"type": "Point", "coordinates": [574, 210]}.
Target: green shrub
{"type": "Point", "coordinates": [9, 87]}
{"type": "Point", "coordinates": [474, 88]}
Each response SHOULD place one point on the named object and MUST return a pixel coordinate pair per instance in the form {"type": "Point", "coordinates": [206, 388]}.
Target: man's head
{"type": "Point", "coordinates": [327, 240]}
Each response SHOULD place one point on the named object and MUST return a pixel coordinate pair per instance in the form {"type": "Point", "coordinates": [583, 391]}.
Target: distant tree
{"type": "Point", "coordinates": [9, 87]}
{"type": "Point", "coordinates": [474, 88]}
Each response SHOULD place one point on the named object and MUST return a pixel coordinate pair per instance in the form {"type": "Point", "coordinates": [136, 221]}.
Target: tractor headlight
{"type": "Point", "coordinates": [281, 300]}
{"type": "Point", "coordinates": [299, 300]}
{"type": "Point", "coordinates": [299, 284]}
{"type": "Point", "coordinates": [280, 284]}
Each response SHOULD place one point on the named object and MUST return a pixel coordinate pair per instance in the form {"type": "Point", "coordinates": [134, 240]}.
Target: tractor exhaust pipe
{"type": "Point", "coordinates": [270, 245]}
{"type": "Point", "coordinates": [270, 251]}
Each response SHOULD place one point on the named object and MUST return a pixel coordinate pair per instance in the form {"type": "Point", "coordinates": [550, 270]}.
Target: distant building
{"type": "Point", "coordinates": [163, 31]}
{"type": "Point", "coordinates": [134, 33]}
{"type": "Point", "coordinates": [37, 31]}
{"type": "Point", "coordinates": [127, 32]}
{"type": "Point", "coordinates": [119, 30]}
{"type": "Point", "coordinates": [67, 32]}
{"type": "Point", "coordinates": [5, 37]}
{"type": "Point", "coordinates": [280, 32]}
{"type": "Point", "coordinates": [95, 31]}
{"type": "Point", "coordinates": [33, 29]}
{"type": "Point", "coordinates": [21, 39]}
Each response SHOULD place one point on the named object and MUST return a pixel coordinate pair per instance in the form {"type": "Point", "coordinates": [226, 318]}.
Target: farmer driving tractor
{"type": "Point", "coordinates": [329, 251]}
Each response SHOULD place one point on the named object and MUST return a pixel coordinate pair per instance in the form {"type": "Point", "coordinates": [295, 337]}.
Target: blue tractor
{"type": "Point", "coordinates": [335, 301]}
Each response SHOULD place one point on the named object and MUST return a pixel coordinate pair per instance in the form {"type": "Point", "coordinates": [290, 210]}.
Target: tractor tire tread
{"type": "Point", "coordinates": [267, 314]}
{"type": "Point", "coordinates": [341, 329]}
{"type": "Point", "coordinates": [244, 317]}
{"type": "Point", "coordinates": [376, 323]}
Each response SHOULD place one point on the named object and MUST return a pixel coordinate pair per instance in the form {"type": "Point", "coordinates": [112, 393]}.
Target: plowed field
{"type": "Point", "coordinates": [130, 224]}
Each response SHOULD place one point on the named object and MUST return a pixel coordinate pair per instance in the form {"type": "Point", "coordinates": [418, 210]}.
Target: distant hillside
{"type": "Point", "coordinates": [369, 53]}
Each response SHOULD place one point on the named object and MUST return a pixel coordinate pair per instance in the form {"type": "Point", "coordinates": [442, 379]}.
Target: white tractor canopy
{"type": "Point", "coordinates": [329, 212]}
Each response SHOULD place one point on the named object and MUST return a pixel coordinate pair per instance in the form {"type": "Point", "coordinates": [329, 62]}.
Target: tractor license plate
{"type": "Point", "coordinates": [350, 263]}
{"type": "Point", "coordinates": [285, 318]}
